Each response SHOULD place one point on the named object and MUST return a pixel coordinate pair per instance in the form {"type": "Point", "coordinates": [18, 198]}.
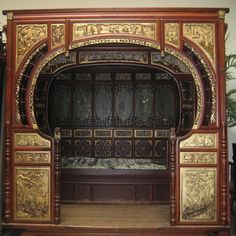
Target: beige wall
{"type": "Point", "coordinates": [44, 4]}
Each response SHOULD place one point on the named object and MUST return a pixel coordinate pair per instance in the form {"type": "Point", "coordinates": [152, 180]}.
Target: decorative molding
{"type": "Point", "coordinates": [221, 14]}
{"type": "Point", "coordinates": [198, 157]}
{"type": "Point", "coordinates": [197, 80]}
{"type": "Point", "coordinates": [27, 36]}
{"type": "Point", "coordinates": [10, 15]}
{"type": "Point", "coordinates": [199, 141]}
{"type": "Point", "coordinates": [113, 56]}
{"type": "Point", "coordinates": [172, 34]}
{"type": "Point", "coordinates": [30, 140]}
{"type": "Point", "coordinates": [198, 188]}
{"type": "Point", "coordinates": [57, 35]}
{"type": "Point", "coordinates": [203, 35]}
{"type": "Point", "coordinates": [147, 30]}
{"type": "Point", "coordinates": [32, 156]}
{"type": "Point", "coordinates": [32, 193]}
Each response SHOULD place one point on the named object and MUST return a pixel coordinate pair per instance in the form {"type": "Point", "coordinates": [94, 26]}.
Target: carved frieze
{"type": "Point", "coordinates": [58, 35]}
{"type": "Point", "coordinates": [198, 194]}
{"type": "Point", "coordinates": [32, 156]}
{"type": "Point", "coordinates": [113, 56]}
{"type": "Point", "coordinates": [143, 133]}
{"type": "Point", "coordinates": [172, 33]}
{"type": "Point", "coordinates": [32, 193]}
{"type": "Point", "coordinates": [198, 157]}
{"type": "Point", "coordinates": [30, 140]}
{"type": "Point", "coordinates": [203, 35]}
{"type": "Point", "coordinates": [27, 36]}
{"type": "Point", "coordinates": [199, 140]}
{"type": "Point", "coordinates": [147, 30]}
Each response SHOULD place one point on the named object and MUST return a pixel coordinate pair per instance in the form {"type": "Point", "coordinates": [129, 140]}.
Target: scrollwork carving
{"type": "Point", "coordinates": [198, 194]}
{"type": "Point", "coordinates": [198, 158]}
{"type": "Point", "coordinates": [172, 33]}
{"type": "Point", "coordinates": [147, 30]}
{"type": "Point", "coordinates": [31, 140]}
{"type": "Point", "coordinates": [58, 35]}
{"type": "Point", "coordinates": [32, 156]}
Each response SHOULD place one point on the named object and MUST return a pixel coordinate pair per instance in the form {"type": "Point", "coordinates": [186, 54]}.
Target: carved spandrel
{"type": "Point", "coordinates": [58, 35]}
{"type": "Point", "coordinates": [32, 193]}
{"type": "Point", "coordinates": [27, 36]}
{"type": "Point", "coordinates": [113, 56]}
{"type": "Point", "coordinates": [172, 33]}
{"type": "Point", "coordinates": [32, 157]}
{"type": "Point", "coordinates": [31, 140]}
{"type": "Point", "coordinates": [198, 158]}
{"type": "Point", "coordinates": [203, 35]}
{"type": "Point", "coordinates": [147, 30]}
{"type": "Point", "coordinates": [199, 140]}
{"type": "Point", "coordinates": [198, 194]}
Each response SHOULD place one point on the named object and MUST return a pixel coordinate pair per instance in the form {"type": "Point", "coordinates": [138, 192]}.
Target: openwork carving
{"type": "Point", "coordinates": [32, 156]}
{"type": "Point", "coordinates": [59, 62]}
{"type": "Point", "coordinates": [211, 79]}
{"type": "Point", "coordinates": [200, 140]}
{"type": "Point", "coordinates": [113, 56]}
{"type": "Point", "coordinates": [147, 30]}
{"type": "Point", "coordinates": [198, 158]}
{"type": "Point", "coordinates": [172, 34]}
{"type": "Point", "coordinates": [32, 197]}
{"type": "Point", "coordinates": [27, 36]}
{"type": "Point", "coordinates": [198, 194]}
{"type": "Point", "coordinates": [102, 148]}
{"type": "Point", "coordinates": [31, 140]}
{"type": "Point", "coordinates": [123, 148]}
{"type": "Point", "coordinates": [143, 148]}
{"type": "Point", "coordinates": [83, 148]}
{"type": "Point", "coordinates": [203, 35]}
{"type": "Point", "coordinates": [197, 84]}
{"type": "Point", "coordinates": [58, 35]}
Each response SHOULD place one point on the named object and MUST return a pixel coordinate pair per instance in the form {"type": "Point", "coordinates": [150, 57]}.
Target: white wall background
{"type": "Point", "coordinates": [46, 4]}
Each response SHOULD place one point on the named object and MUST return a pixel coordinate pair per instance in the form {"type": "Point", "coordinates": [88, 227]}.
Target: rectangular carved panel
{"type": "Point", "coordinates": [32, 193]}
{"type": "Point", "coordinates": [198, 194]}
{"type": "Point", "coordinates": [198, 157]}
{"type": "Point", "coordinates": [32, 156]}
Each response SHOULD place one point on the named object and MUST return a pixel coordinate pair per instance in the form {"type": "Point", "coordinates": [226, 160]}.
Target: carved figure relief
{"type": "Point", "coordinates": [27, 36]}
{"type": "Point", "coordinates": [198, 158]}
{"type": "Point", "coordinates": [32, 197]}
{"type": "Point", "coordinates": [31, 139]}
{"type": "Point", "coordinates": [203, 35]}
{"type": "Point", "coordinates": [199, 140]}
{"type": "Point", "coordinates": [198, 194]}
{"type": "Point", "coordinates": [147, 30]}
{"type": "Point", "coordinates": [58, 35]}
{"type": "Point", "coordinates": [172, 33]}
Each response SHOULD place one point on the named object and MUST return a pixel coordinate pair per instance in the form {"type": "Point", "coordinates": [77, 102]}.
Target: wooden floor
{"type": "Point", "coordinates": [112, 216]}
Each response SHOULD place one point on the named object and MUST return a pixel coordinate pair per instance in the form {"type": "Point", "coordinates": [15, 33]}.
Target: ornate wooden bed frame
{"type": "Point", "coordinates": [197, 162]}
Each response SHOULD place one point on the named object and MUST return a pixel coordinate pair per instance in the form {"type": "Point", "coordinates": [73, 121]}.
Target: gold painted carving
{"type": "Point", "coordinates": [197, 80]}
{"type": "Point", "coordinates": [32, 156]}
{"type": "Point", "coordinates": [31, 140]}
{"type": "Point", "coordinates": [198, 194]}
{"type": "Point", "coordinates": [32, 193]}
{"type": "Point", "coordinates": [113, 56]}
{"type": "Point", "coordinates": [147, 30]}
{"type": "Point", "coordinates": [199, 140]}
{"type": "Point", "coordinates": [172, 34]}
{"type": "Point", "coordinates": [58, 35]}
{"type": "Point", "coordinates": [198, 158]}
{"type": "Point", "coordinates": [27, 36]}
{"type": "Point", "coordinates": [211, 79]}
{"type": "Point", "coordinates": [10, 15]}
{"type": "Point", "coordinates": [221, 14]}
{"type": "Point", "coordinates": [203, 35]}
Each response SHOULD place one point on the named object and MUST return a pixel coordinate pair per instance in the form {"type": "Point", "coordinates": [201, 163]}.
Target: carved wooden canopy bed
{"type": "Point", "coordinates": [116, 106]}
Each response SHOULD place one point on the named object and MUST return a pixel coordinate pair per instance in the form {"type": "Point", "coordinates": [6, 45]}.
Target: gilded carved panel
{"type": "Point", "coordinates": [203, 35]}
{"type": "Point", "coordinates": [172, 33]}
{"type": "Point", "coordinates": [147, 30]}
{"type": "Point", "coordinates": [31, 140]}
{"type": "Point", "coordinates": [199, 141]}
{"type": "Point", "coordinates": [198, 194]}
{"type": "Point", "coordinates": [198, 158]}
{"type": "Point", "coordinates": [27, 36]}
{"type": "Point", "coordinates": [32, 193]}
{"type": "Point", "coordinates": [32, 156]}
{"type": "Point", "coordinates": [58, 35]}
